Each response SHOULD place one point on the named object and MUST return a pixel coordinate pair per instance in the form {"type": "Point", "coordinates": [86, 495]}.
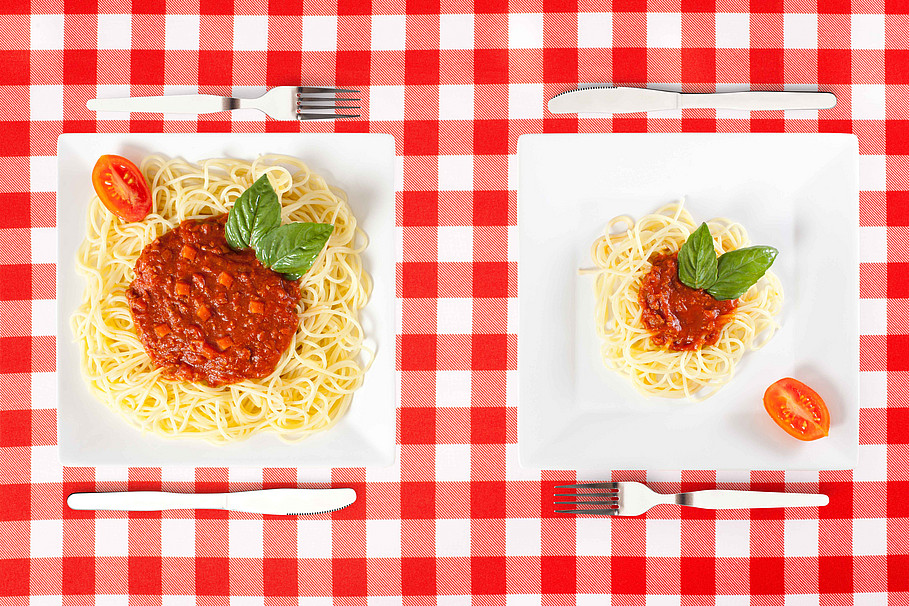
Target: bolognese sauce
{"type": "Point", "coordinates": [206, 313]}
{"type": "Point", "coordinates": [679, 317]}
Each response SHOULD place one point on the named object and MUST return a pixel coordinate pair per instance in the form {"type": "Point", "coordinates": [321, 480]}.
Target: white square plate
{"type": "Point", "coordinates": [797, 192]}
{"type": "Point", "coordinates": [363, 165]}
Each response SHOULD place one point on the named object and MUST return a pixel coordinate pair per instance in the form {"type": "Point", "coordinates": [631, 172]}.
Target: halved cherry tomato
{"type": "Point", "coordinates": [122, 187]}
{"type": "Point", "coordinates": [797, 409]}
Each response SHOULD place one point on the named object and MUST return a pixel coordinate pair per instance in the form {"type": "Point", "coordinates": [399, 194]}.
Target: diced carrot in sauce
{"type": "Point", "coordinates": [162, 330]}
{"type": "Point", "coordinates": [181, 288]}
{"type": "Point", "coordinates": [225, 279]}
{"type": "Point", "coordinates": [256, 307]}
{"type": "Point", "coordinates": [203, 312]}
{"type": "Point", "coordinates": [224, 342]}
{"type": "Point", "coordinates": [140, 304]}
{"type": "Point", "coordinates": [188, 252]}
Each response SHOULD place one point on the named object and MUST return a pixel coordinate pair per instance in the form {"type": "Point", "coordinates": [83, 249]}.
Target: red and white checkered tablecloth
{"type": "Point", "coordinates": [456, 83]}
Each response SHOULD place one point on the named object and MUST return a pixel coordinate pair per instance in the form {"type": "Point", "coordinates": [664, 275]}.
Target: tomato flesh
{"type": "Point", "coordinates": [122, 188]}
{"type": "Point", "coordinates": [798, 409]}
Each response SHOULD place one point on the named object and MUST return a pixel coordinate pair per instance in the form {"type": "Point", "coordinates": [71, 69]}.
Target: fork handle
{"type": "Point", "coordinates": [748, 499]}
{"type": "Point", "coordinates": [168, 104]}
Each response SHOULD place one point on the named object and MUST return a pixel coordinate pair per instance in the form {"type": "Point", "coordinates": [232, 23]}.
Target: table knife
{"type": "Point", "coordinates": [623, 99]}
{"type": "Point", "coordinates": [272, 501]}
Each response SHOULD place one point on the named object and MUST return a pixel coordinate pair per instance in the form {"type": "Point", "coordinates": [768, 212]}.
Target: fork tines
{"type": "Point", "coordinates": [604, 493]}
{"type": "Point", "coordinates": [306, 90]}
{"type": "Point", "coordinates": [312, 101]}
{"type": "Point", "coordinates": [612, 485]}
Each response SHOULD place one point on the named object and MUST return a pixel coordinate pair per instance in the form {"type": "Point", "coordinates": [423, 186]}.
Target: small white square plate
{"type": "Point", "coordinates": [90, 434]}
{"type": "Point", "coordinates": [797, 192]}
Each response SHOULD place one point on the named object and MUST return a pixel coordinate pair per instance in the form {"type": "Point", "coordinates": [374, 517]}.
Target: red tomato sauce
{"type": "Point", "coordinates": [207, 313]}
{"type": "Point", "coordinates": [679, 317]}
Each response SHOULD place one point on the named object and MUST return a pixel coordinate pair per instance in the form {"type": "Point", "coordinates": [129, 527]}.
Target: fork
{"type": "Point", "coordinates": [281, 103]}
{"type": "Point", "coordinates": [634, 499]}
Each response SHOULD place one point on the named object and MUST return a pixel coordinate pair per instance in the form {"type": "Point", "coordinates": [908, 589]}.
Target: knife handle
{"type": "Point", "coordinates": [168, 104]}
{"type": "Point", "coordinates": [145, 500]}
{"type": "Point", "coordinates": [758, 100]}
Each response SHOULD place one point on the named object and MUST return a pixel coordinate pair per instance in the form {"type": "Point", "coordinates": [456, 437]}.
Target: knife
{"type": "Point", "coordinates": [623, 99]}
{"type": "Point", "coordinates": [272, 501]}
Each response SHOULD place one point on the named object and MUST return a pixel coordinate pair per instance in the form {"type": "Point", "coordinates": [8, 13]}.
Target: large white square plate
{"type": "Point", "coordinates": [90, 434]}
{"type": "Point", "coordinates": [797, 192]}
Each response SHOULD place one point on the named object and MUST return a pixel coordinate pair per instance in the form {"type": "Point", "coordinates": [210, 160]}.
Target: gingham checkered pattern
{"type": "Point", "coordinates": [456, 83]}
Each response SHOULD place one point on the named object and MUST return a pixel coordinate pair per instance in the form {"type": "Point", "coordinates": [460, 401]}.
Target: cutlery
{"type": "Point", "coordinates": [624, 99]}
{"type": "Point", "coordinates": [633, 499]}
{"type": "Point", "coordinates": [281, 103]}
{"type": "Point", "coordinates": [272, 501]}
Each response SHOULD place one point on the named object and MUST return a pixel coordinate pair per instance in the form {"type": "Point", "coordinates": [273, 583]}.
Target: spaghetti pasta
{"type": "Point", "coordinates": [622, 259]}
{"type": "Point", "coordinates": [314, 380]}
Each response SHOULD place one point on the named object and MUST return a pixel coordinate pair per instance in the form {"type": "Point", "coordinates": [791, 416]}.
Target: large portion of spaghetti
{"type": "Point", "coordinates": [621, 257]}
{"type": "Point", "coordinates": [313, 383]}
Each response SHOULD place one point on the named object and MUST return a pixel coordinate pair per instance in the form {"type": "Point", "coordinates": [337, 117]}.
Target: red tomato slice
{"type": "Point", "coordinates": [122, 187]}
{"type": "Point", "coordinates": [797, 409]}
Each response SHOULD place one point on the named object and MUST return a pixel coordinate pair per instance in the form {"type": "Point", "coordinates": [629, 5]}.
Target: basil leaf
{"type": "Point", "coordinates": [292, 249]}
{"type": "Point", "coordinates": [738, 270]}
{"type": "Point", "coordinates": [255, 213]}
{"type": "Point", "coordinates": [697, 259]}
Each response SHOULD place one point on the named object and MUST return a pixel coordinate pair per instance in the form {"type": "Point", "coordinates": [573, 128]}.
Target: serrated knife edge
{"type": "Point", "coordinates": [613, 99]}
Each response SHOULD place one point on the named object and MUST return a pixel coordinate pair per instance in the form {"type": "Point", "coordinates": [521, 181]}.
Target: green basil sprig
{"type": "Point", "coordinates": [255, 221]}
{"type": "Point", "coordinates": [697, 260]}
{"type": "Point", "coordinates": [738, 269]}
{"type": "Point", "coordinates": [255, 213]}
{"type": "Point", "coordinates": [292, 249]}
{"type": "Point", "coordinates": [728, 277]}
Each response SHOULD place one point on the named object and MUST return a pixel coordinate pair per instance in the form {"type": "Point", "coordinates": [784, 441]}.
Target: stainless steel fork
{"type": "Point", "coordinates": [633, 499]}
{"type": "Point", "coordinates": [281, 103]}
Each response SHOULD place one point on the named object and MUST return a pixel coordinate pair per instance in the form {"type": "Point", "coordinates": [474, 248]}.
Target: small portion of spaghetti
{"type": "Point", "coordinates": [313, 382]}
{"type": "Point", "coordinates": [654, 367]}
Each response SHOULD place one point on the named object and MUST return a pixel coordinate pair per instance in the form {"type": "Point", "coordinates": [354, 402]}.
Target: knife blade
{"type": "Point", "coordinates": [624, 99]}
{"type": "Point", "coordinates": [272, 501]}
